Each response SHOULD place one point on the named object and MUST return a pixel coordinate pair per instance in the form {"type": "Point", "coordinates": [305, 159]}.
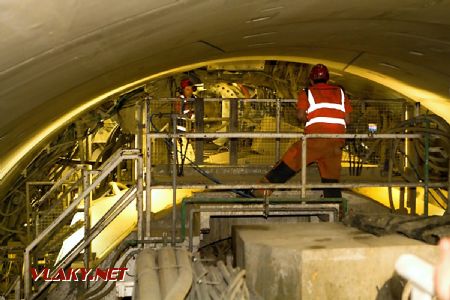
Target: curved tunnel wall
{"type": "Point", "coordinates": [60, 58]}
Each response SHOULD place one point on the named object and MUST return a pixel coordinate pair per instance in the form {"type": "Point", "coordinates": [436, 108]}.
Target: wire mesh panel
{"type": "Point", "coordinates": [376, 115]}
{"type": "Point", "coordinates": [253, 115]}
{"type": "Point", "coordinates": [269, 115]}
{"type": "Point", "coordinates": [373, 116]}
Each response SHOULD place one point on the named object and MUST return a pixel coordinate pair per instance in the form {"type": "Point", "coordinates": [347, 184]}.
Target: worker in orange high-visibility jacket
{"type": "Point", "coordinates": [324, 108]}
{"type": "Point", "coordinates": [184, 107]}
{"type": "Point", "coordinates": [185, 110]}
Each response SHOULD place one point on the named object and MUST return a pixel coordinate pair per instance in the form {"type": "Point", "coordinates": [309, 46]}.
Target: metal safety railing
{"type": "Point", "coordinates": [264, 115]}
{"type": "Point", "coordinates": [33, 219]}
{"type": "Point", "coordinates": [172, 135]}
{"type": "Point", "coordinates": [135, 192]}
{"type": "Point", "coordinates": [303, 137]}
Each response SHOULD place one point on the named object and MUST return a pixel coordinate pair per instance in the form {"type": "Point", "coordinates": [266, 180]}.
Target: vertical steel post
{"type": "Point", "coordinates": [278, 129]}
{"type": "Point", "coordinates": [233, 127]}
{"type": "Point", "coordinates": [402, 200]}
{"type": "Point", "coordinates": [148, 171]}
{"type": "Point", "coordinates": [390, 170]}
{"type": "Point", "coordinates": [417, 109]}
{"type": "Point", "coordinates": [139, 171]}
{"type": "Point", "coordinates": [28, 211]}
{"type": "Point", "coordinates": [406, 141]}
{"type": "Point", "coordinates": [87, 219]}
{"type": "Point", "coordinates": [199, 109]}
{"type": "Point", "coordinates": [139, 198]}
{"type": "Point", "coordinates": [304, 145]}
{"type": "Point", "coordinates": [414, 160]}
{"type": "Point", "coordinates": [36, 224]}
{"type": "Point", "coordinates": [88, 153]}
{"type": "Point", "coordinates": [81, 144]}
{"type": "Point", "coordinates": [119, 173]}
{"type": "Point", "coordinates": [174, 181]}
{"type": "Point", "coordinates": [27, 274]}
{"type": "Point", "coordinates": [17, 290]}
{"type": "Point", "coordinates": [426, 168]}
{"type": "Point", "coordinates": [405, 191]}
{"type": "Point", "coordinates": [138, 118]}
{"type": "Point", "coordinates": [137, 138]}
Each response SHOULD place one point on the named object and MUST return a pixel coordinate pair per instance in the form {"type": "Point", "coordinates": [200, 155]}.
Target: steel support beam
{"type": "Point", "coordinates": [233, 127]}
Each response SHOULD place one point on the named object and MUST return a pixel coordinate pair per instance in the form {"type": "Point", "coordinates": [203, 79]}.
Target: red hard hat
{"type": "Point", "coordinates": [319, 72]}
{"type": "Point", "coordinates": [186, 82]}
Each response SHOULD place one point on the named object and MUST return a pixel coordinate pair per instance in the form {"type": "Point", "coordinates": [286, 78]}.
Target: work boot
{"type": "Point", "coordinates": [331, 192]}
{"type": "Point", "coordinates": [261, 193]}
{"type": "Point", "coordinates": [280, 173]}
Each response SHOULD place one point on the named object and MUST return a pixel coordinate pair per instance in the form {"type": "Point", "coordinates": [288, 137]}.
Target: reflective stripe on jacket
{"type": "Point", "coordinates": [328, 116]}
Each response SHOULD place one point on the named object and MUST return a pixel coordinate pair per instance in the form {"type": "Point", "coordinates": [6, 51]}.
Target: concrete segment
{"type": "Point", "coordinates": [320, 260]}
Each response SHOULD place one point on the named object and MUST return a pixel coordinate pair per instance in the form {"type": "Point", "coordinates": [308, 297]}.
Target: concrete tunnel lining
{"type": "Point", "coordinates": [87, 53]}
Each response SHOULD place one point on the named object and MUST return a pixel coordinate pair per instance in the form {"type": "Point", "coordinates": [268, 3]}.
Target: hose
{"type": "Point", "coordinates": [441, 129]}
{"type": "Point", "coordinates": [148, 286]}
{"type": "Point", "coordinates": [437, 201]}
{"type": "Point", "coordinates": [234, 286]}
{"type": "Point", "coordinates": [184, 280]}
{"type": "Point", "coordinates": [218, 282]}
{"type": "Point", "coordinates": [11, 230]}
{"type": "Point", "coordinates": [15, 211]}
{"type": "Point", "coordinates": [407, 291]}
{"type": "Point", "coordinates": [168, 274]}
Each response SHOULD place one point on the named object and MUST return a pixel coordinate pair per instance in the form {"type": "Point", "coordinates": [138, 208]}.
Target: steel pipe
{"type": "Point", "coordinates": [261, 201]}
{"type": "Point", "coordinates": [278, 130]}
{"type": "Point", "coordinates": [27, 274]}
{"type": "Point", "coordinates": [304, 154]}
{"type": "Point", "coordinates": [148, 174]}
{"type": "Point", "coordinates": [290, 135]}
{"type": "Point", "coordinates": [390, 167]}
{"type": "Point", "coordinates": [174, 182]}
{"type": "Point", "coordinates": [87, 219]}
{"type": "Point", "coordinates": [427, 169]}
{"type": "Point", "coordinates": [234, 99]}
{"type": "Point", "coordinates": [28, 211]}
{"type": "Point", "coordinates": [171, 99]}
{"type": "Point", "coordinates": [139, 198]}
{"type": "Point", "coordinates": [57, 184]}
{"type": "Point", "coordinates": [298, 186]}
